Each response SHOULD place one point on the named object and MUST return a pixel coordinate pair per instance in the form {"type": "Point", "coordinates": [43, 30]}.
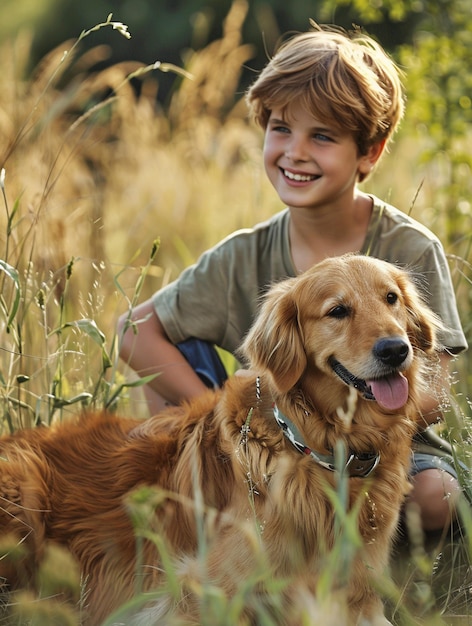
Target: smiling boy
{"type": "Point", "coordinates": [328, 103]}
{"type": "Point", "coordinates": [314, 167]}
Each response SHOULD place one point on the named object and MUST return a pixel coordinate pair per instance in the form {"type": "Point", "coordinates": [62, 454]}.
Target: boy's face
{"type": "Point", "coordinates": [310, 163]}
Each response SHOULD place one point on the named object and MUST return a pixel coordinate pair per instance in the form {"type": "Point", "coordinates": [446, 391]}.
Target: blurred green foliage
{"type": "Point", "coordinates": [165, 29]}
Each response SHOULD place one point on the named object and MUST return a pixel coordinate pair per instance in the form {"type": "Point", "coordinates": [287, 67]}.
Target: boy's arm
{"type": "Point", "coordinates": [149, 351]}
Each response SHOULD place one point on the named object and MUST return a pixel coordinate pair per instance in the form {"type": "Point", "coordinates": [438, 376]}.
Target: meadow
{"type": "Point", "coordinates": [106, 196]}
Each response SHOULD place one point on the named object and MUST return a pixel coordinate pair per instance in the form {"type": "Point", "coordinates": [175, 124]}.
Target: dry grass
{"type": "Point", "coordinates": [100, 185]}
{"type": "Point", "coordinates": [96, 172]}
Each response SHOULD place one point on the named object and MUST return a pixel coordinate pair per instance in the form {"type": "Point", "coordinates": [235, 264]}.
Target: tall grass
{"type": "Point", "coordinates": [94, 174]}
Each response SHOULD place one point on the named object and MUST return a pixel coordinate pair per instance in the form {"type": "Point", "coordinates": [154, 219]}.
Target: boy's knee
{"type": "Point", "coordinates": [435, 492]}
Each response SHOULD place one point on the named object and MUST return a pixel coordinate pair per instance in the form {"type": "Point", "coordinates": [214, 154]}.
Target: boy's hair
{"type": "Point", "coordinates": [342, 79]}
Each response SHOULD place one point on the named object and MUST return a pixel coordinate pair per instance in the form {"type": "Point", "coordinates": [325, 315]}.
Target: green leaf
{"type": "Point", "coordinates": [87, 326]}
{"type": "Point", "coordinates": [135, 383]}
{"type": "Point", "coordinates": [12, 273]}
{"type": "Point", "coordinates": [61, 402]}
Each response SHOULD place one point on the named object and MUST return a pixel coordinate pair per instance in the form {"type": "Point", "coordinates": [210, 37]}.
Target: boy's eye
{"type": "Point", "coordinates": [321, 137]}
{"type": "Point", "coordinates": [281, 129]}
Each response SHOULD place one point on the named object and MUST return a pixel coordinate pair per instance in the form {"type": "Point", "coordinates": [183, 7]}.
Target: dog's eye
{"type": "Point", "coordinates": [392, 297]}
{"type": "Point", "coordinates": [339, 311]}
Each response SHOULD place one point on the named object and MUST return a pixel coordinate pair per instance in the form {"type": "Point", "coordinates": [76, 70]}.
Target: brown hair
{"type": "Point", "coordinates": [344, 79]}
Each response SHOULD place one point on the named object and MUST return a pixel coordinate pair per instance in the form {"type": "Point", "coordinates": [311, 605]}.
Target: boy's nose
{"type": "Point", "coordinates": [296, 151]}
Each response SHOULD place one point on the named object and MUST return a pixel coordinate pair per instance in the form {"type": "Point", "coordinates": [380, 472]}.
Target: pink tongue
{"type": "Point", "coordinates": [391, 392]}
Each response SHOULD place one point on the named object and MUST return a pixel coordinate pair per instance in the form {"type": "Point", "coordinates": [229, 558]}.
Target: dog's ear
{"type": "Point", "coordinates": [423, 323]}
{"type": "Point", "coordinates": [274, 345]}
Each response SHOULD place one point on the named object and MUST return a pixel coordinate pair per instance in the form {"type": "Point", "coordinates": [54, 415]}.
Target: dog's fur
{"type": "Point", "coordinates": [69, 484]}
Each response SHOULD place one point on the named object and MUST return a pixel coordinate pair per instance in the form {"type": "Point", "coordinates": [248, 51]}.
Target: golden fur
{"type": "Point", "coordinates": [70, 484]}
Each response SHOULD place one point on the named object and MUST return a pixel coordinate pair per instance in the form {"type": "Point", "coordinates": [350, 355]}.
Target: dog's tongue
{"type": "Point", "coordinates": [390, 392]}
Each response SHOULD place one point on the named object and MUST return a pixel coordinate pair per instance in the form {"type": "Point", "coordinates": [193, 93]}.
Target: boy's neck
{"type": "Point", "coordinates": [316, 235]}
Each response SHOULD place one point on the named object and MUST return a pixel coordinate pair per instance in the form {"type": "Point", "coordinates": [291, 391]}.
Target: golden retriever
{"type": "Point", "coordinates": [336, 360]}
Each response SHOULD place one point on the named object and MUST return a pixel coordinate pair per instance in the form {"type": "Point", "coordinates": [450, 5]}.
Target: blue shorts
{"type": "Point", "coordinates": [205, 360]}
{"type": "Point", "coordinates": [422, 461]}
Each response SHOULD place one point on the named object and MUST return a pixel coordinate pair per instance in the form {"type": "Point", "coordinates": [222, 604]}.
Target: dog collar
{"type": "Point", "coordinates": [346, 376]}
{"type": "Point", "coordinates": [357, 465]}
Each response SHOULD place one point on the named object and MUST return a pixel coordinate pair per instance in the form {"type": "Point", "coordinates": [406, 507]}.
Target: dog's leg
{"type": "Point", "coordinates": [23, 505]}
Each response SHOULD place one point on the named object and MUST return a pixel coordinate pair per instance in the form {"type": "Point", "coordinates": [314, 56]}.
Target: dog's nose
{"type": "Point", "coordinates": [391, 350]}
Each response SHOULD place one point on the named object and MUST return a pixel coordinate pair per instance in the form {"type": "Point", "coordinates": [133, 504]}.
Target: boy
{"type": "Point", "coordinates": [328, 104]}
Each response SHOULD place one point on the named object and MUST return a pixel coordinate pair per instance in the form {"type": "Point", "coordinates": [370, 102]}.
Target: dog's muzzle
{"type": "Point", "coordinates": [390, 391]}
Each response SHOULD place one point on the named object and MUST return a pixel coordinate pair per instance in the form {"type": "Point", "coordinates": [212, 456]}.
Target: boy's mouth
{"type": "Point", "coordinates": [299, 178]}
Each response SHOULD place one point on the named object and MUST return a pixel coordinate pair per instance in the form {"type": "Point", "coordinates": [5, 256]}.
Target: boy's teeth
{"type": "Point", "coordinates": [298, 177]}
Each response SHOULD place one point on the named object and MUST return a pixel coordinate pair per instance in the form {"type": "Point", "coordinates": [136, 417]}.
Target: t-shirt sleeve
{"type": "Point", "coordinates": [436, 285]}
{"type": "Point", "coordinates": [196, 305]}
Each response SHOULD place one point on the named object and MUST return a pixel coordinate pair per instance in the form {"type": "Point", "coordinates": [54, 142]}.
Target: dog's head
{"type": "Point", "coordinates": [357, 321]}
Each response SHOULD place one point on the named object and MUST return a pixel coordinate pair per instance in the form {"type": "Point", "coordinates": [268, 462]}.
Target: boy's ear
{"type": "Point", "coordinates": [376, 150]}
{"type": "Point", "coordinates": [369, 160]}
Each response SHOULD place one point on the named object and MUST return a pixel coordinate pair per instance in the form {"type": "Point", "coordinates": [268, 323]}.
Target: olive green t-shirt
{"type": "Point", "coordinates": [217, 299]}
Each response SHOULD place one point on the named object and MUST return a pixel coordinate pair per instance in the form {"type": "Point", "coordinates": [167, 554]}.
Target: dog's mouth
{"type": "Point", "coordinates": [390, 392]}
